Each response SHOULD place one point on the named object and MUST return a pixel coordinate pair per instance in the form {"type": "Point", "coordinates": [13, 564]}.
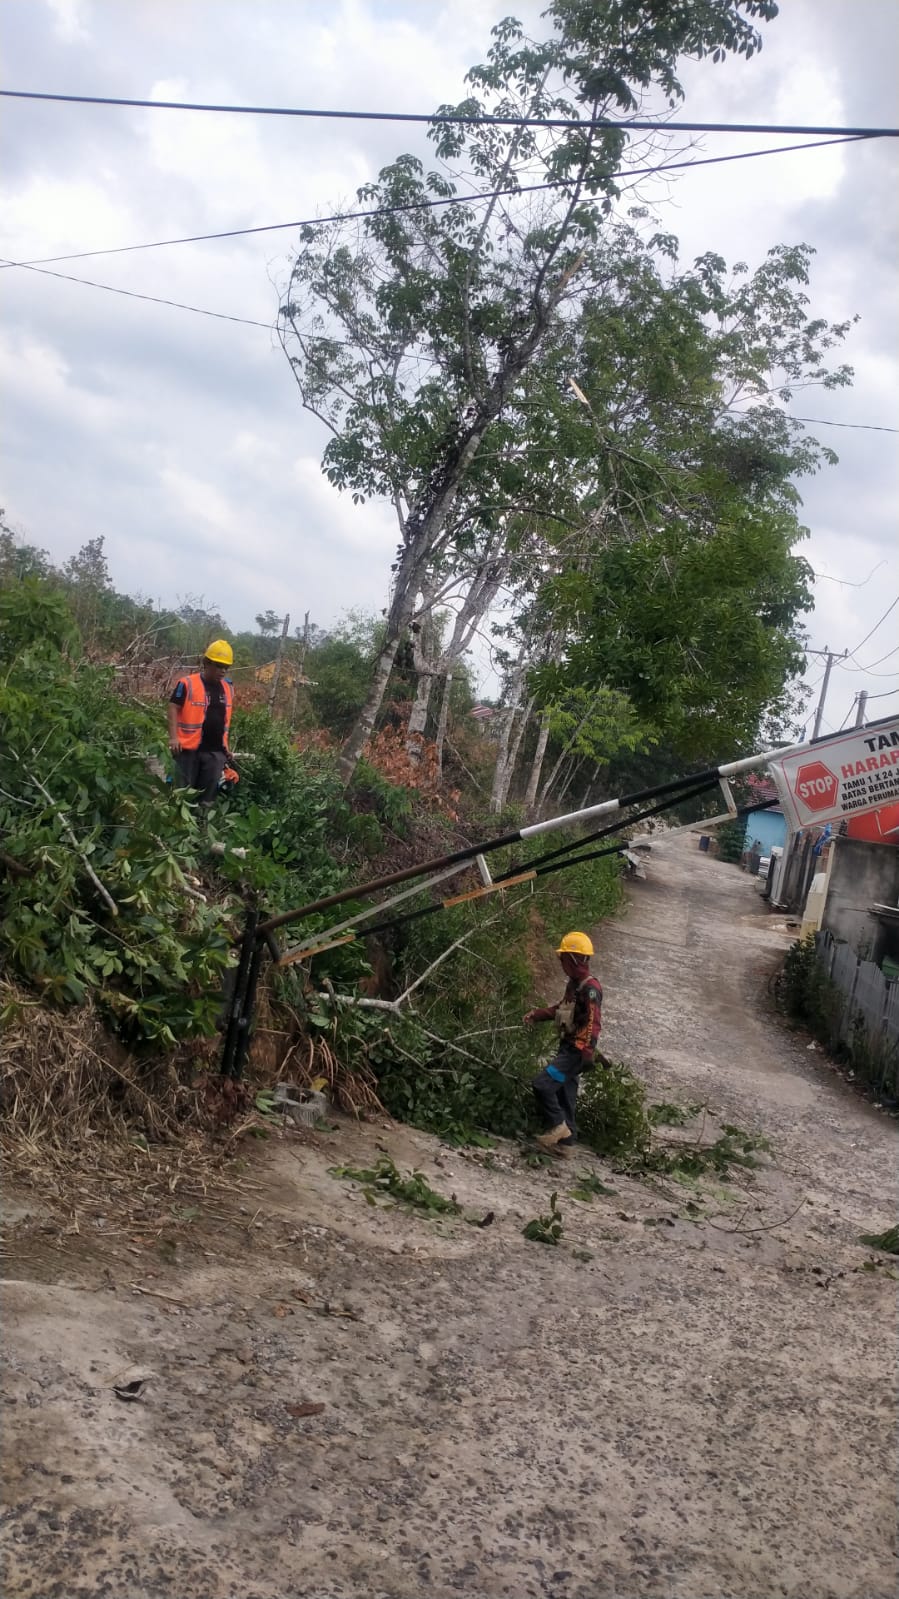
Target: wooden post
{"type": "Point", "coordinates": [301, 673]}
{"type": "Point", "coordinates": [276, 675]}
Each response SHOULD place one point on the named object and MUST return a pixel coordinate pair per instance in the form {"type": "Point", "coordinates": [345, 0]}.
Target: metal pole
{"type": "Point", "coordinates": [231, 1054]}
{"type": "Point", "coordinates": [245, 1020]}
{"type": "Point", "coordinates": [607, 808]}
{"type": "Point", "coordinates": [831, 657]}
{"type": "Point", "coordinates": [861, 701]}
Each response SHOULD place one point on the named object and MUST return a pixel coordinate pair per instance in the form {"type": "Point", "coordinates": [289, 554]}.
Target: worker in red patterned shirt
{"type": "Point", "coordinates": [578, 1017]}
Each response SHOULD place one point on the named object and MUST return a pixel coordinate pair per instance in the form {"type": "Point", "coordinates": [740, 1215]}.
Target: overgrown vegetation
{"type": "Point", "coordinates": [809, 997]}
{"type": "Point", "coordinates": [117, 896]}
{"type": "Point", "coordinates": [612, 1117]}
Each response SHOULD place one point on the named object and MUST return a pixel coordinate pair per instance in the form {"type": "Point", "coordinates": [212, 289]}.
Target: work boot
{"type": "Point", "coordinates": [554, 1136]}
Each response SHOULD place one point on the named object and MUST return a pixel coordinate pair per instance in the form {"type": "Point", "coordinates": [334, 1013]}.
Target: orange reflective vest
{"type": "Point", "coordinates": [193, 708]}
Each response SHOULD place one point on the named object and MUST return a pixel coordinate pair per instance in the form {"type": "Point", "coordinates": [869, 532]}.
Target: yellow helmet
{"type": "Point", "coordinates": [221, 652]}
{"type": "Point", "coordinates": [575, 944]}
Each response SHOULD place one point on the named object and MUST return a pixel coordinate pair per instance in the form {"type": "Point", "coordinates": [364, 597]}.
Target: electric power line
{"type": "Point", "coordinates": [887, 612]}
{"type": "Point", "coordinates": [824, 422]}
{"type": "Point", "coordinates": [860, 667]}
{"type": "Point", "coordinates": [429, 205]}
{"type": "Point", "coordinates": [880, 661]}
{"type": "Point", "coordinates": [132, 294]}
{"type": "Point", "coordinates": [453, 118]}
{"type": "Point", "coordinates": [254, 322]}
{"type": "Point", "coordinates": [886, 694]}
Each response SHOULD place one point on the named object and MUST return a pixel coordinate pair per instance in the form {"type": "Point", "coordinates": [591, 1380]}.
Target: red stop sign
{"type": "Point", "coordinates": [815, 786]}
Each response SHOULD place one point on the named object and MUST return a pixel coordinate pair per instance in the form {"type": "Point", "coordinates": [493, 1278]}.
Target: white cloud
{"type": "Point", "coordinates": [69, 19]}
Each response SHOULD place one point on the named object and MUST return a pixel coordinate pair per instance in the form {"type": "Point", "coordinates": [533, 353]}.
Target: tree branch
{"type": "Point", "coordinates": [79, 851]}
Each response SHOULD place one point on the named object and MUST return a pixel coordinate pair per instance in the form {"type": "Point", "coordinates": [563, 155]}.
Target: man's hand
{"type": "Point", "coordinates": [530, 1019]}
{"type": "Point", "coordinates": [175, 746]}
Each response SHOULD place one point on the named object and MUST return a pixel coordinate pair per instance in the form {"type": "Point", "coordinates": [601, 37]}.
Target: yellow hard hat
{"type": "Point", "coordinates": [221, 652]}
{"type": "Point", "coordinates": [575, 944]}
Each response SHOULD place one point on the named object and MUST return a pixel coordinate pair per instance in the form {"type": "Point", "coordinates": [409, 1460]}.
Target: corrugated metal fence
{"type": "Point", "coordinates": [869, 1023]}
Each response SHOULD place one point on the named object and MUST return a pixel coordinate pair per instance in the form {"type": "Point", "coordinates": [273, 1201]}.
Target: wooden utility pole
{"type": "Point", "coordinates": [276, 675]}
{"type": "Point", "coordinates": [300, 673]}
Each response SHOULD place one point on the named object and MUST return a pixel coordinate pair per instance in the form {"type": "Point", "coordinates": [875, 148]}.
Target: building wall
{"type": "Point", "coordinates": [861, 875]}
{"type": "Point", "coordinates": [768, 827]}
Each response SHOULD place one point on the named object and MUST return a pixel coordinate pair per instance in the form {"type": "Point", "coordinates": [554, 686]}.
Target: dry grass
{"type": "Point", "coordinates": [82, 1117]}
{"type": "Point", "coordinates": [82, 1120]}
{"type": "Point", "coordinates": [354, 1092]}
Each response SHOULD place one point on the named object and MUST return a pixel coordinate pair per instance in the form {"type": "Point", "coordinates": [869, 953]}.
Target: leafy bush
{"type": "Point", "coordinates": [807, 994]}
{"type": "Point", "coordinates": [731, 837]}
{"type": "Point", "coordinates": [79, 806]}
{"type": "Point", "coordinates": [888, 1241]}
{"type": "Point", "coordinates": [611, 1114]}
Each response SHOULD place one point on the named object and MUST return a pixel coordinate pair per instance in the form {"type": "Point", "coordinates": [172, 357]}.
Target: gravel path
{"type": "Point", "coordinates": [664, 1405]}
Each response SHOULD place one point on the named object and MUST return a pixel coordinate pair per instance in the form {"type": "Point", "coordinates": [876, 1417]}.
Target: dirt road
{"type": "Point", "coordinates": [663, 1405]}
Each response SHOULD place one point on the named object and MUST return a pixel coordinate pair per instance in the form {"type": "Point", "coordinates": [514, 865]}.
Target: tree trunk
{"type": "Point", "coordinates": [501, 771]}
{"type": "Point", "coordinates": [365, 721]}
{"type": "Point", "coordinates": [591, 706]}
{"type": "Point", "coordinates": [443, 721]}
{"type": "Point", "coordinates": [427, 518]}
{"type": "Point", "coordinates": [515, 746]}
{"type": "Point", "coordinates": [537, 766]}
{"type": "Point", "coordinates": [569, 779]}
{"type": "Point", "coordinates": [418, 716]}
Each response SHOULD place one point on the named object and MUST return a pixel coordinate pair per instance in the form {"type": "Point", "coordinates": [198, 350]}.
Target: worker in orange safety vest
{"type": "Point", "coordinates": [199, 713]}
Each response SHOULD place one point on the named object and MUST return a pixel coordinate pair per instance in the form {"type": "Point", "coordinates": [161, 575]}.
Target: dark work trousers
{"type": "Point", "coordinates": [202, 770]}
{"type": "Point", "coordinates": [558, 1100]}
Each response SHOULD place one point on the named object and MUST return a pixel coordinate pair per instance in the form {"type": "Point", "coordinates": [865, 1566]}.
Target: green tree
{"type": "Point", "coordinates": [410, 332]}
{"type": "Point", "coordinates": [86, 576]}
{"type": "Point", "coordinates": [339, 667]}
{"type": "Point", "coordinates": [18, 559]}
{"type": "Point", "coordinates": [269, 624]}
{"type": "Point", "coordinates": [701, 633]}
{"type": "Point", "coordinates": [674, 435]}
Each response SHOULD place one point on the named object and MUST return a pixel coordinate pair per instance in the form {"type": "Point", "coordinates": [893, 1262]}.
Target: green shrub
{"type": "Point", "coordinates": [612, 1118]}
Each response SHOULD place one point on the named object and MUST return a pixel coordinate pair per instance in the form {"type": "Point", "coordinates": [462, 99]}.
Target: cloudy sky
{"type": "Point", "coordinates": [180, 438]}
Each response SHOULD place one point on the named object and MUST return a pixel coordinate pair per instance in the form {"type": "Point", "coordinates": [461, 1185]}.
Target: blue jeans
{"type": "Point", "coordinates": [555, 1089]}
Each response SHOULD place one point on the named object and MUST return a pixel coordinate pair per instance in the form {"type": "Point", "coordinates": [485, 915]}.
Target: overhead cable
{"type": "Point", "coordinates": [452, 118]}
{"type": "Point", "coordinates": [888, 612]}
{"type": "Point", "coordinates": [132, 294]}
{"type": "Point", "coordinates": [427, 205]}
{"type": "Point", "coordinates": [825, 422]}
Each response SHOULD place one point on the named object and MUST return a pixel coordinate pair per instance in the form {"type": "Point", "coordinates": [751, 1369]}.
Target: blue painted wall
{"type": "Point", "coordinates": [769, 827]}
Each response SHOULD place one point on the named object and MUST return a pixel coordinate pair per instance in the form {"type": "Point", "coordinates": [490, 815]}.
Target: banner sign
{"type": "Point", "coordinates": [839, 777]}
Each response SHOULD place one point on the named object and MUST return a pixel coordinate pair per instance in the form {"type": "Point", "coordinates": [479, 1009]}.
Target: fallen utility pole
{"type": "Point", "coordinates": [554, 824]}
{"type": "Point", "coordinates": [809, 791]}
{"type": "Point", "coordinates": [258, 934]}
